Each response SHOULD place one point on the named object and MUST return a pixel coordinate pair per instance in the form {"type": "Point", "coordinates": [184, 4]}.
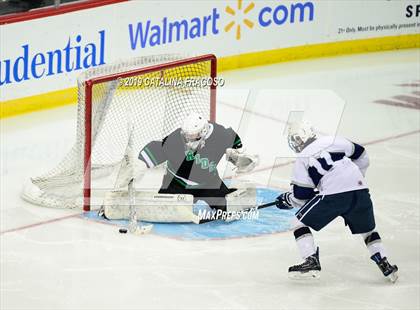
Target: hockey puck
{"type": "Point", "coordinates": [123, 230]}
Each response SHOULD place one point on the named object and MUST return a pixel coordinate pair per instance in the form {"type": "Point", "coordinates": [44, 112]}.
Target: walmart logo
{"type": "Point", "coordinates": [245, 20]}
{"type": "Point", "coordinates": [150, 33]}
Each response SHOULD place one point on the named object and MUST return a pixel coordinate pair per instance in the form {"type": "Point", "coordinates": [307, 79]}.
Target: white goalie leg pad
{"type": "Point", "coordinates": [151, 207]}
{"type": "Point", "coordinates": [245, 197]}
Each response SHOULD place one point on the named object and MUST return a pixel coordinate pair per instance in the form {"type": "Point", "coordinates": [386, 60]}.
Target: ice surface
{"type": "Point", "coordinates": [54, 259]}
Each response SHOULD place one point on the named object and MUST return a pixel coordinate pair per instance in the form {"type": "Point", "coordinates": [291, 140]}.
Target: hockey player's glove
{"type": "Point", "coordinates": [284, 201]}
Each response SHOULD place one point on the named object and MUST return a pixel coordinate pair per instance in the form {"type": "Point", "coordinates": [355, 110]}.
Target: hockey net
{"type": "Point", "coordinates": [150, 94]}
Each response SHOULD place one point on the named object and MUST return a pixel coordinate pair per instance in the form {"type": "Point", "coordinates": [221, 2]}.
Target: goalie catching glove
{"type": "Point", "coordinates": [243, 162]}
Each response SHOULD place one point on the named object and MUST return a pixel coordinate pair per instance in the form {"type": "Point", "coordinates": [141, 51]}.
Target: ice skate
{"type": "Point", "coordinates": [310, 268]}
{"type": "Point", "coordinates": [388, 270]}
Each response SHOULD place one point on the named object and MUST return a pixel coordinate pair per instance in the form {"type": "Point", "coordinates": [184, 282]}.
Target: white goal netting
{"type": "Point", "coordinates": [153, 93]}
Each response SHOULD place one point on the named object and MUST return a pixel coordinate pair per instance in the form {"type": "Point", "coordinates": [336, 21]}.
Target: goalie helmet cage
{"type": "Point", "coordinates": [151, 93]}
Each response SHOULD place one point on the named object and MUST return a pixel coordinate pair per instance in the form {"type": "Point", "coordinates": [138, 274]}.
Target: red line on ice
{"type": "Point", "coordinates": [54, 220]}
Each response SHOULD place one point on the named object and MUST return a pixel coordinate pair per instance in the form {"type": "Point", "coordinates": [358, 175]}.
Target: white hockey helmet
{"type": "Point", "coordinates": [299, 135]}
{"type": "Point", "coordinates": [194, 130]}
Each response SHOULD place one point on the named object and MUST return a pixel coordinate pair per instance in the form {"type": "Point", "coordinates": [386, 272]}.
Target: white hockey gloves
{"type": "Point", "coordinates": [130, 170]}
{"type": "Point", "coordinates": [243, 162]}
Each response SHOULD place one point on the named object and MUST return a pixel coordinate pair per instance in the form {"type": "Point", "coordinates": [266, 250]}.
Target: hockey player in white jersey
{"type": "Point", "coordinates": [328, 181]}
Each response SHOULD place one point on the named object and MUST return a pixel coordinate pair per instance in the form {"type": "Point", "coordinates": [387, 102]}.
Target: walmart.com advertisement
{"type": "Point", "coordinates": [48, 54]}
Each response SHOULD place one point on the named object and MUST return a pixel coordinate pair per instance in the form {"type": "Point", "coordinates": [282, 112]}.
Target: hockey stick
{"type": "Point", "coordinates": [132, 214]}
{"type": "Point", "coordinates": [133, 225]}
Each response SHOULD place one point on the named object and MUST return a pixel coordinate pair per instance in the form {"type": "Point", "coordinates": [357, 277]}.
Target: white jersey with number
{"type": "Point", "coordinates": [332, 165]}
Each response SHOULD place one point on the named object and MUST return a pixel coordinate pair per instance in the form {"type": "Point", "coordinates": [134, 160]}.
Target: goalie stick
{"type": "Point", "coordinates": [133, 225]}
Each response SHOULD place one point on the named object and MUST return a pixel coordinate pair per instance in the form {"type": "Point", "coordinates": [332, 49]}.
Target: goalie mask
{"type": "Point", "coordinates": [194, 131]}
{"type": "Point", "coordinates": [300, 135]}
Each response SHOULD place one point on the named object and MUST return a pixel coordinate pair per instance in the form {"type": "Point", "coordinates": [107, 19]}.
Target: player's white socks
{"type": "Point", "coordinates": [305, 241]}
{"type": "Point", "coordinates": [306, 244]}
{"type": "Point", "coordinates": [374, 243]}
